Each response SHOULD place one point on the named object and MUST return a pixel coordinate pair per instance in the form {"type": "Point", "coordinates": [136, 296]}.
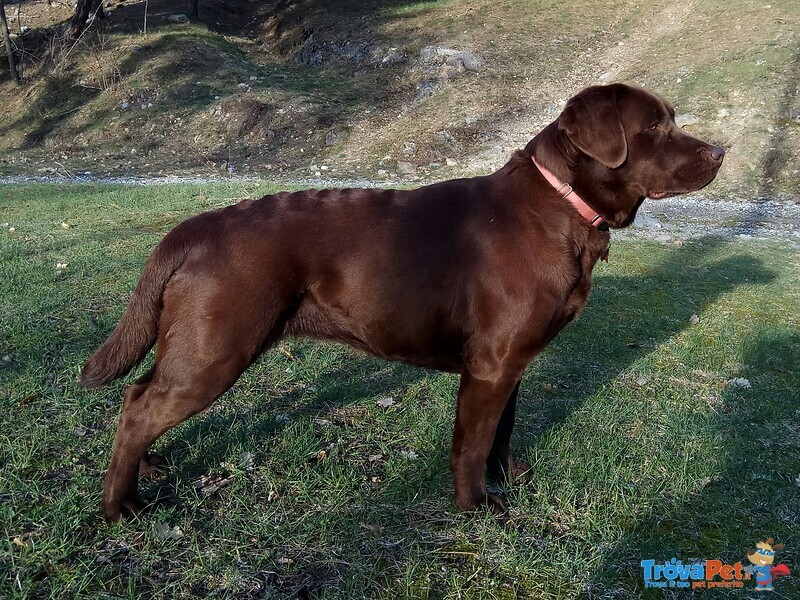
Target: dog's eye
{"type": "Point", "coordinates": [653, 127]}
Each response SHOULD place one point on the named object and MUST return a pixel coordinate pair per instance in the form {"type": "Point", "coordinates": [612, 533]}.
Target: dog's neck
{"type": "Point", "coordinates": [553, 150]}
{"type": "Point", "coordinates": [567, 193]}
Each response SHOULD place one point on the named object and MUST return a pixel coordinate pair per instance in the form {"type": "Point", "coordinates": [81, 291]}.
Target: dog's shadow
{"type": "Point", "coordinates": [752, 493]}
{"type": "Point", "coordinates": [627, 317]}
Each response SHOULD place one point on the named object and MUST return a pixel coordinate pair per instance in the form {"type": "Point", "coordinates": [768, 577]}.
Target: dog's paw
{"type": "Point", "coordinates": [520, 472]}
{"type": "Point", "coordinates": [127, 507]}
{"type": "Point", "coordinates": [481, 502]}
{"type": "Point", "coordinates": [495, 505]}
{"type": "Point", "coordinates": [517, 472]}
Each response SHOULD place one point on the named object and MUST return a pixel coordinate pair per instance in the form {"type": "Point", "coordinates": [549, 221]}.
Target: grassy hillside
{"type": "Point", "coordinates": [290, 87]}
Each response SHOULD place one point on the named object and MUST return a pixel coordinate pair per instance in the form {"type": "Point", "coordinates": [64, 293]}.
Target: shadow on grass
{"type": "Point", "coordinates": [755, 494]}
{"type": "Point", "coordinates": [753, 497]}
{"type": "Point", "coordinates": [629, 316]}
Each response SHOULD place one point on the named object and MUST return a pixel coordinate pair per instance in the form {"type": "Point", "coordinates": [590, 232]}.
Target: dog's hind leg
{"type": "Point", "coordinates": [200, 354]}
{"type": "Point", "coordinates": [166, 402]}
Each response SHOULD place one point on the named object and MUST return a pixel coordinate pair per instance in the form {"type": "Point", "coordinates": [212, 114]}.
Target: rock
{"type": "Point", "coordinates": [428, 56]}
{"type": "Point", "coordinates": [316, 59]}
{"type": "Point", "coordinates": [165, 532]}
{"type": "Point", "coordinates": [451, 162]}
{"type": "Point", "coordinates": [308, 53]}
{"type": "Point", "coordinates": [686, 119]}
{"type": "Point", "coordinates": [723, 113]}
{"type": "Point", "coordinates": [694, 319]}
{"type": "Point", "coordinates": [331, 138]}
{"type": "Point", "coordinates": [356, 51]}
{"type": "Point", "coordinates": [424, 89]}
{"type": "Point", "coordinates": [789, 113]}
{"type": "Point", "coordinates": [436, 56]}
{"type": "Point", "coordinates": [434, 166]}
{"type": "Point", "coordinates": [180, 19]}
{"type": "Point", "coordinates": [393, 57]}
{"type": "Point", "coordinates": [409, 148]}
{"type": "Point", "coordinates": [740, 382]}
{"type": "Point", "coordinates": [406, 168]}
{"type": "Point", "coordinates": [446, 138]}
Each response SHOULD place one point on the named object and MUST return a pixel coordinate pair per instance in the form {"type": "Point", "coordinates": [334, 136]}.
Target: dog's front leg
{"type": "Point", "coordinates": [500, 465]}
{"type": "Point", "coordinates": [480, 405]}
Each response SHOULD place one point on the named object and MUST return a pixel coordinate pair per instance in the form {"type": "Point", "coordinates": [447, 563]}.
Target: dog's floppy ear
{"type": "Point", "coordinates": [592, 122]}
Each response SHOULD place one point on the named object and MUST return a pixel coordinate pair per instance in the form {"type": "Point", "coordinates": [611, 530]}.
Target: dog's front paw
{"type": "Point", "coordinates": [520, 471]}
{"type": "Point", "coordinates": [481, 502]}
{"type": "Point", "coordinates": [113, 511]}
{"type": "Point", "coordinates": [512, 472]}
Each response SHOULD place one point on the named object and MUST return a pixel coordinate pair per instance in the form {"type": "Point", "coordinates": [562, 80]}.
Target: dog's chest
{"type": "Point", "coordinates": [595, 248]}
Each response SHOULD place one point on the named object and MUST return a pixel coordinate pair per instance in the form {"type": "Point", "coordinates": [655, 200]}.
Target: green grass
{"type": "Point", "coordinates": [639, 449]}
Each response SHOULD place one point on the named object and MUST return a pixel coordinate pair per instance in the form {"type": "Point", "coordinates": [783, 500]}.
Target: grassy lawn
{"type": "Point", "coordinates": [640, 447]}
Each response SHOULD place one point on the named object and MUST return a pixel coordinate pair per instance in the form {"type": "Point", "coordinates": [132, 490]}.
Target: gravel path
{"type": "Point", "coordinates": [694, 216]}
{"type": "Point", "coordinates": [690, 216]}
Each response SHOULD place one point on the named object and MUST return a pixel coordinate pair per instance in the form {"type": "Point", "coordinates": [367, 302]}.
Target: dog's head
{"type": "Point", "coordinates": [622, 146]}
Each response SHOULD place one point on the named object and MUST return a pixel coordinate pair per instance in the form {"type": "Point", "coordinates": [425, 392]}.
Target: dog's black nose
{"type": "Point", "coordinates": [717, 153]}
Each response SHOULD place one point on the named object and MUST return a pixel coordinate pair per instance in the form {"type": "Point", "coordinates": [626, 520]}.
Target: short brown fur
{"type": "Point", "coordinates": [471, 276]}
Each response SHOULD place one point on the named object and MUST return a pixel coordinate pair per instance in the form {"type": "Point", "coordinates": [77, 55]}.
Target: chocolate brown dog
{"type": "Point", "coordinates": [472, 276]}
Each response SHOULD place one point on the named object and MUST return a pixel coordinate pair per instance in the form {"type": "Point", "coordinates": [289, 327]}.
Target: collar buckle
{"type": "Point", "coordinates": [559, 188]}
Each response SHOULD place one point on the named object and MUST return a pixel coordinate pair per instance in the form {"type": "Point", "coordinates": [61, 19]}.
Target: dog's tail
{"type": "Point", "coordinates": [136, 332]}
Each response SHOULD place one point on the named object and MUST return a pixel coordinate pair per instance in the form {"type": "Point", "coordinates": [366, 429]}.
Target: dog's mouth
{"type": "Point", "coordinates": [705, 179]}
{"type": "Point", "coordinates": [661, 195]}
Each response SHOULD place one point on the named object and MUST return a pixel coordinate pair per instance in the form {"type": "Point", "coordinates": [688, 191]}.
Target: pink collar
{"type": "Point", "coordinates": [586, 211]}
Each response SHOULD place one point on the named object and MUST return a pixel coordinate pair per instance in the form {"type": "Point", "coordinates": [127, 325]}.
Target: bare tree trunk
{"type": "Point", "coordinates": [193, 9]}
{"type": "Point", "coordinates": [79, 17]}
{"type": "Point", "coordinates": [12, 63]}
{"type": "Point", "coordinates": [82, 11]}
